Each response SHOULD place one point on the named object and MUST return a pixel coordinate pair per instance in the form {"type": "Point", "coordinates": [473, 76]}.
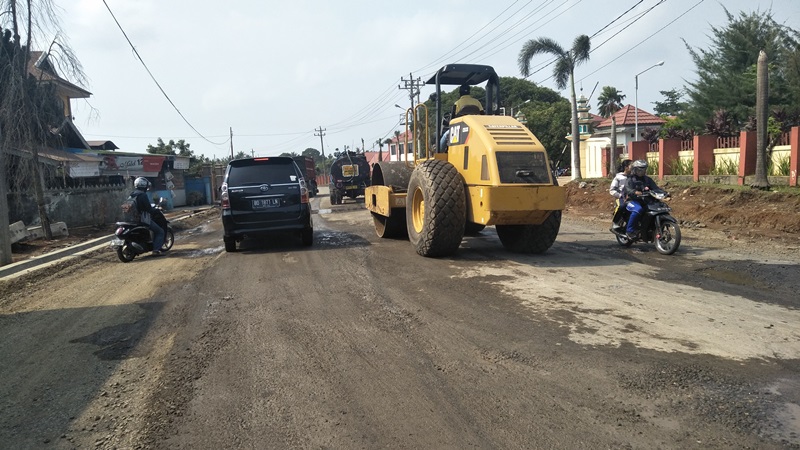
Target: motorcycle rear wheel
{"type": "Point", "coordinates": [668, 238]}
{"type": "Point", "coordinates": [169, 240]}
{"type": "Point", "coordinates": [622, 239]}
{"type": "Point", "coordinates": [126, 253]}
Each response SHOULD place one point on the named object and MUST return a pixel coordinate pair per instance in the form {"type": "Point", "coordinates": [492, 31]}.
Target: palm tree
{"type": "Point", "coordinates": [564, 71]}
{"type": "Point", "coordinates": [608, 103]}
{"type": "Point", "coordinates": [380, 150]}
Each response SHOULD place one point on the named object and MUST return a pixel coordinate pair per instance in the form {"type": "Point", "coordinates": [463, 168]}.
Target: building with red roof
{"type": "Point", "coordinates": [597, 139]}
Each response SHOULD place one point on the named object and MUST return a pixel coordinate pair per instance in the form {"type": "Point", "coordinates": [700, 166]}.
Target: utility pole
{"type": "Point", "coordinates": [231, 143]}
{"type": "Point", "coordinates": [321, 132]}
{"type": "Point", "coordinates": [5, 233]}
{"type": "Point", "coordinates": [412, 86]}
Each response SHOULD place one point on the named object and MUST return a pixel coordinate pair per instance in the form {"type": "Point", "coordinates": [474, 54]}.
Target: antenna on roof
{"type": "Point", "coordinates": [41, 60]}
{"type": "Point", "coordinates": [593, 89]}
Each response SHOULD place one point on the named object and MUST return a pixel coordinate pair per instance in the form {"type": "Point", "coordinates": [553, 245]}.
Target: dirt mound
{"type": "Point", "coordinates": [737, 210]}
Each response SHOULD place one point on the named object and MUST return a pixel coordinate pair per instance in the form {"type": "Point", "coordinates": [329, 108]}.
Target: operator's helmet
{"type": "Point", "coordinates": [463, 90]}
{"type": "Point", "coordinates": [639, 168]}
{"type": "Point", "coordinates": [141, 183]}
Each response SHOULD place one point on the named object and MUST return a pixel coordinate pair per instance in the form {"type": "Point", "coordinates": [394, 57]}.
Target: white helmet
{"type": "Point", "coordinates": [141, 183]}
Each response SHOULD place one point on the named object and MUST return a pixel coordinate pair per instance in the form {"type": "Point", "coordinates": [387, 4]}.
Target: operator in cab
{"type": "Point", "coordinates": [466, 104]}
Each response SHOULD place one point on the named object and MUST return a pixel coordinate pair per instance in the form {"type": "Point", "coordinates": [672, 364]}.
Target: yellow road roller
{"type": "Point", "coordinates": [481, 169]}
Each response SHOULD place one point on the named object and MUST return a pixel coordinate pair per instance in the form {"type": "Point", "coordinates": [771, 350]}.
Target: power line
{"type": "Point", "coordinates": [447, 54]}
{"type": "Point", "coordinates": [636, 19]}
{"type": "Point", "coordinates": [154, 78]}
{"type": "Point", "coordinates": [642, 41]}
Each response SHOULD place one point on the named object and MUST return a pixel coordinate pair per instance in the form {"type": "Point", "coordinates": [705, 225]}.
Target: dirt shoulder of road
{"type": "Point", "coordinates": [738, 215]}
{"type": "Point", "coordinates": [22, 251]}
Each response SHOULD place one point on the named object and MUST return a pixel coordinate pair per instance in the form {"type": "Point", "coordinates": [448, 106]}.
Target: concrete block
{"type": "Point", "coordinates": [18, 231]}
{"type": "Point", "coordinates": [57, 228]}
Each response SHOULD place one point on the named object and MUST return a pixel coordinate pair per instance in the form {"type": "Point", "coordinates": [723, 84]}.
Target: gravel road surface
{"type": "Point", "coordinates": [357, 342]}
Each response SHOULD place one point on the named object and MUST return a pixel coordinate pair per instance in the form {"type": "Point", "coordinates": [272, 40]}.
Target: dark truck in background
{"type": "Point", "coordinates": [350, 175]}
{"type": "Point", "coordinates": [306, 165]}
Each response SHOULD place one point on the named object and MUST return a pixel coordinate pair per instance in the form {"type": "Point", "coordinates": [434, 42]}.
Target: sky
{"type": "Point", "coordinates": [273, 72]}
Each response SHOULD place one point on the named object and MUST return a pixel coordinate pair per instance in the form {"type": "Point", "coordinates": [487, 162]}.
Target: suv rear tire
{"type": "Point", "coordinates": [230, 244]}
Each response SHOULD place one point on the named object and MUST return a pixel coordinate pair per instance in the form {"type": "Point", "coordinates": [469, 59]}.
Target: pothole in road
{"type": "Point", "coordinates": [338, 239]}
{"type": "Point", "coordinates": [204, 252]}
{"type": "Point", "coordinates": [116, 342]}
{"type": "Point", "coordinates": [204, 228]}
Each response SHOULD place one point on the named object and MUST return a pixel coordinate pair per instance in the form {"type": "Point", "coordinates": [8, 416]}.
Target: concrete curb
{"type": "Point", "coordinates": [74, 251]}
{"type": "Point", "coordinates": [48, 259]}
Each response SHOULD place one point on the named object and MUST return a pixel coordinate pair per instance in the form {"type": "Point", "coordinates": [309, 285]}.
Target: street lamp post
{"type": "Point", "coordinates": [518, 106]}
{"type": "Point", "coordinates": [636, 101]}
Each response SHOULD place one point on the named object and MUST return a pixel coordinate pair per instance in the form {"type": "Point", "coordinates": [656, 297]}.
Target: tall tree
{"type": "Point", "coordinates": [672, 104]}
{"type": "Point", "coordinates": [179, 148]}
{"type": "Point", "coordinates": [547, 120]}
{"type": "Point", "coordinates": [31, 113]}
{"type": "Point", "coordinates": [726, 71]}
{"type": "Point", "coordinates": [380, 149]}
{"type": "Point", "coordinates": [608, 103]}
{"type": "Point", "coordinates": [563, 72]}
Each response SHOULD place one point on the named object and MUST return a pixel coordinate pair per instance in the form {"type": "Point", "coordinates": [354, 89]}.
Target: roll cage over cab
{"type": "Point", "coordinates": [471, 75]}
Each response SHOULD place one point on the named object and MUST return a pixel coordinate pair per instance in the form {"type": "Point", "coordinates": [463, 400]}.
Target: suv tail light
{"type": "Point", "coordinates": [303, 191]}
{"type": "Point", "coordinates": [224, 200]}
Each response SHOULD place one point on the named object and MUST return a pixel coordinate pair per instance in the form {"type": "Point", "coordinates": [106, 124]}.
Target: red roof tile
{"type": "Point", "coordinates": [627, 116]}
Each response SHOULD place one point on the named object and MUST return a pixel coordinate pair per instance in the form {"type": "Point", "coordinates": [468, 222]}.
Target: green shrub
{"type": "Point", "coordinates": [781, 167]}
{"type": "Point", "coordinates": [652, 167]}
{"type": "Point", "coordinates": [725, 167]}
{"type": "Point", "coordinates": [682, 166]}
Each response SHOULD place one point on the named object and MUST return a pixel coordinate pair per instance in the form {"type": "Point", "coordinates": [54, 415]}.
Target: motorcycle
{"type": "Point", "coordinates": [655, 224]}
{"type": "Point", "coordinates": [134, 238]}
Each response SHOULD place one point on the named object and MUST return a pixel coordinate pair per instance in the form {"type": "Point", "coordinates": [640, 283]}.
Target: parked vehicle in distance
{"type": "Point", "coordinates": [306, 165]}
{"type": "Point", "coordinates": [350, 175]}
{"type": "Point", "coordinates": [262, 196]}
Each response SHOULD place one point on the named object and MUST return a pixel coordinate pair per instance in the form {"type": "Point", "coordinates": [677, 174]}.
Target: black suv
{"type": "Point", "coordinates": [264, 195]}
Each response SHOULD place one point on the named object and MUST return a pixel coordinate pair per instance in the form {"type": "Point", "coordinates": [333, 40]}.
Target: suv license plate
{"type": "Point", "coordinates": [351, 188]}
{"type": "Point", "coordinates": [266, 203]}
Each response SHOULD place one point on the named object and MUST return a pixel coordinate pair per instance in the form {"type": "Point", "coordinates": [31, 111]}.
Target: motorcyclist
{"type": "Point", "coordinates": [635, 186]}
{"type": "Point", "coordinates": [617, 189]}
{"type": "Point", "coordinates": [146, 212]}
{"type": "Point", "coordinates": [618, 183]}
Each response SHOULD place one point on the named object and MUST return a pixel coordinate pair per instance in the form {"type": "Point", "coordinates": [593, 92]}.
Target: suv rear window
{"type": "Point", "coordinates": [260, 172]}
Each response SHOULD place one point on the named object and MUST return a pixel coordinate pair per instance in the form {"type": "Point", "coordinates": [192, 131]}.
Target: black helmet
{"type": "Point", "coordinates": [464, 89]}
{"type": "Point", "coordinates": [141, 183]}
{"type": "Point", "coordinates": [639, 168]}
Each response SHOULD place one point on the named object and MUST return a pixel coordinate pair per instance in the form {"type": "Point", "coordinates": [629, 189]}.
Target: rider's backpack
{"type": "Point", "coordinates": [130, 212]}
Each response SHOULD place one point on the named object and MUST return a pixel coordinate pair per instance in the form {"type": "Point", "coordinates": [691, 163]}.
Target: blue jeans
{"type": "Point", "coordinates": [635, 209]}
{"type": "Point", "coordinates": [158, 235]}
{"type": "Point", "coordinates": [444, 141]}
